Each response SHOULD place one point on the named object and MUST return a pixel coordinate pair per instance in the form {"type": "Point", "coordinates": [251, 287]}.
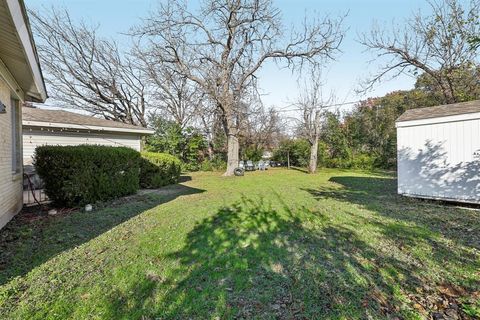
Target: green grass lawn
{"type": "Point", "coordinates": [279, 244]}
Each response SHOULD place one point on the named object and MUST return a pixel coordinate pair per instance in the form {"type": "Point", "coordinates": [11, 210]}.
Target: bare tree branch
{"type": "Point", "coordinates": [437, 44]}
{"type": "Point", "coordinates": [87, 72]}
{"type": "Point", "coordinates": [221, 47]}
{"type": "Point", "coordinates": [313, 105]}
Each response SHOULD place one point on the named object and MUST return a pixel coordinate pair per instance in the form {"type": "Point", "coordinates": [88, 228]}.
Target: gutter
{"type": "Point", "coordinates": [143, 131]}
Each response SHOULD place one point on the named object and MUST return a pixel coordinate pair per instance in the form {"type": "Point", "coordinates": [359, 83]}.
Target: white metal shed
{"type": "Point", "coordinates": [438, 151]}
{"type": "Point", "coordinates": [59, 127]}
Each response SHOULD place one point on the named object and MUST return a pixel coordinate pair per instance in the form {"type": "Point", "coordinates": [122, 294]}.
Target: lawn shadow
{"type": "Point", "coordinates": [300, 169]}
{"type": "Point", "coordinates": [461, 225]}
{"type": "Point", "coordinates": [184, 178]}
{"type": "Point", "coordinates": [32, 238]}
{"type": "Point", "coordinates": [429, 233]}
{"type": "Point", "coordinates": [256, 260]}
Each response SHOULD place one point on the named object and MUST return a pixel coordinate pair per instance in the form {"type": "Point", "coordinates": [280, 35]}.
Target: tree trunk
{"type": "Point", "coordinates": [312, 166]}
{"type": "Point", "coordinates": [210, 150]}
{"type": "Point", "coordinates": [232, 154]}
{"type": "Point", "coordinates": [447, 91]}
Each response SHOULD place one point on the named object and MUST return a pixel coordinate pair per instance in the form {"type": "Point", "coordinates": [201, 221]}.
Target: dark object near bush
{"type": "Point", "coordinates": [77, 175]}
{"type": "Point", "coordinates": [159, 169]}
{"type": "Point", "coordinates": [275, 164]}
{"type": "Point", "coordinates": [239, 172]}
{"type": "Point", "coordinates": [249, 165]}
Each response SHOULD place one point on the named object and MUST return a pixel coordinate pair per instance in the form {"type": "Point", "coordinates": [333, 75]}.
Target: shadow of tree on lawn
{"type": "Point", "coordinates": [299, 169]}
{"type": "Point", "coordinates": [461, 225]}
{"type": "Point", "coordinates": [26, 243]}
{"type": "Point", "coordinates": [255, 260]}
{"type": "Point", "coordinates": [437, 236]}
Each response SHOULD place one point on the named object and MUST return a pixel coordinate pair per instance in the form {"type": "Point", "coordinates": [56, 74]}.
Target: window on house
{"type": "Point", "coordinates": [16, 137]}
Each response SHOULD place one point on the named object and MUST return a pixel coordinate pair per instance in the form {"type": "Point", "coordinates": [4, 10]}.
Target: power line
{"type": "Point", "coordinates": [322, 107]}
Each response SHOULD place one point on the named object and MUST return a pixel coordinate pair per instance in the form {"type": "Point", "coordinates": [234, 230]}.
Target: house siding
{"type": "Point", "coordinates": [10, 184]}
{"type": "Point", "coordinates": [34, 137]}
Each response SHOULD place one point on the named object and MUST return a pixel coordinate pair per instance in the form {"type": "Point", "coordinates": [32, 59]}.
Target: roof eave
{"type": "Point", "coordinates": [19, 15]}
{"type": "Point", "coordinates": [436, 120]}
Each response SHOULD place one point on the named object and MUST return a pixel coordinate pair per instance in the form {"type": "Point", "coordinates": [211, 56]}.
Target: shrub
{"type": "Point", "coordinates": [358, 161]}
{"type": "Point", "coordinates": [190, 167]}
{"type": "Point", "coordinates": [206, 165]}
{"type": "Point", "coordinates": [216, 164]}
{"type": "Point", "coordinates": [187, 144]}
{"type": "Point", "coordinates": [159, 169]}
{"type": "Point", "coordinates": [252, 153]}
{"type": "Point", "coordinates": [363, 161]}
{"type": "Point", "coordinates": [77, 175]}
{"type": "Point", "coordinates": [298, 150]}
{"type": "Point", "coordinates": [338, 163]}
{"type": "Point", "coordinates": [322, 154]}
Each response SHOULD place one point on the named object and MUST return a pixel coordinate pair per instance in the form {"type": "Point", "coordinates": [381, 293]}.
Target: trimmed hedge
{"type": "Point", "coordinates": [159, 169]}
{"type": "Point", "coordinates": [77, 175]}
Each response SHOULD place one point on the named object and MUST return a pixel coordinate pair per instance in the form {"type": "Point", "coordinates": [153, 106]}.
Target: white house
{"type": "Point", "coordinates": [59, 127]}
{"type": "Point", "coordinates": [439, 152]}
{"type": "Point", "coordinates": [20, 80]}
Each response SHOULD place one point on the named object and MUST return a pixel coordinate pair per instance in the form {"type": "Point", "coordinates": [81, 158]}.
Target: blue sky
{"type": "Point", "coordinates": [279, 86]}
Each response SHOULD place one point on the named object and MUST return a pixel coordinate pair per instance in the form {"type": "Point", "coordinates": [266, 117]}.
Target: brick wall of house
{"type": "Point", "coordinates": [10, 184]}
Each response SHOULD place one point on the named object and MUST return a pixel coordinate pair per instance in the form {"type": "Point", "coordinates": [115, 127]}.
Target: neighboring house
{"type": "Point", "coordinates": [439, 152]}
{"type": "Point", "coordinates": [20, 80]}
{"type": "Point", "coordinates": [58, 127]}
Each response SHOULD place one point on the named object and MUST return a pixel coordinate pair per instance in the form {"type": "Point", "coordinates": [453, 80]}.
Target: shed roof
{"type": "Point", "coordinates": [441, 111]}
{"type": "Point", "coordinates": [61, 118]}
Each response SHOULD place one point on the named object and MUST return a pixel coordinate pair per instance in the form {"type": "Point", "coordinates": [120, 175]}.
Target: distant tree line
{"type": "Point", "coordinates": [192, 75]}
{"type": "Point", "coordinates": [439, 49]}
{"type": "Point", "coordinates": [260, 131]}
{"type": "Point", "coordinates": [365, 136]}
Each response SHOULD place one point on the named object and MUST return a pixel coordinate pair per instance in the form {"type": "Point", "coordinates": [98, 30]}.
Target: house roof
{"type": "Point", "coordinates": [36, 117]}
{"type": "Point", "coordinates": [19, 63]}
{"type": "Point", "coordinates": [441, 111]}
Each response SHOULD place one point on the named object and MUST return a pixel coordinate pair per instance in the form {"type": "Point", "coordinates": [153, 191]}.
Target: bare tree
{"type": "Point", "coordinates": [312, 105]}
{"type": "Point", "coordinates": [176, 97]}
{"type": "Point", "coordinates": [223, 45]}
{"type": "Point", "coordinates": [87, 72]}
{"type": "Point", "coordinates": [263, 129]}
{"type": "Point", "coordinates": [438, 44]}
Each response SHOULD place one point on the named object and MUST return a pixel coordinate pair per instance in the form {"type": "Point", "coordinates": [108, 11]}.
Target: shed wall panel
{"type": "Point", "coordinates": [440, 160]}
